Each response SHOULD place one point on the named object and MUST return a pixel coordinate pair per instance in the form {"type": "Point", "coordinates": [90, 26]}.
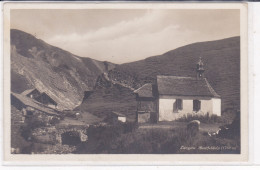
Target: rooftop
{"type": "Point", "coordinates": [32, 103]}
{"type": "Point", "coordinates": [145, 91]}
{"type": "Point", "coordinates": [49, 95]}
{"type": "Point", "coordinates": [119, 114]}
{"type": "Point", "coordinates": [26, 92]}
{"type": "Point", "coordinates": [185, 86]}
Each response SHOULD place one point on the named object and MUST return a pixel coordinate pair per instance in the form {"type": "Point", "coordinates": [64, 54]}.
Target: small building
{"type": "Point", "coordinates": [43, 97]}
{"type": "Point", "coordinates": [146, 97]}
{"type": "Point", "coordinates": [119, 117]}
{"type": "Point", "coordinates": [173, 97]}
{"type": "Point", "coordinates": [28, 105]}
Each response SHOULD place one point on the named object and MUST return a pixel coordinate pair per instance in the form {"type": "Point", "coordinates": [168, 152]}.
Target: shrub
{"type": "Point", "coordinates": [32, 123]}
{"type": "Point", "coordinates": [26, 132]}
{"type": "Point", "coordinates": [202, 118]}
{"type": "Point", "coordinates": [54, 120]}
{"type": "Point", "coordinates": [129, 126]}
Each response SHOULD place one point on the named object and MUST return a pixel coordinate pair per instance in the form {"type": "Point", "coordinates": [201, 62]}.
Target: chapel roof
{"type": "Point", "coordinates": [185, 86]}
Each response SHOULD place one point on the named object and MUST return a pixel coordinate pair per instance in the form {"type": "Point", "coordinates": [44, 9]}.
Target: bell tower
{"type": "Point", "coordinates": [200, 69]}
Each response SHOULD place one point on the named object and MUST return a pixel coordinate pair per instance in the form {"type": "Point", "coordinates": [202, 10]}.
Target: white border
{"type": "Point", "coordinates": [256, 78]}
{"type": "Point", "coordinates": [135, 159]}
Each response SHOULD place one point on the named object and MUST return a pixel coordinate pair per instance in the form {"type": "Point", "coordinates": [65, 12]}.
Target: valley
{"type": "Point", "coordinates": [84, 94]}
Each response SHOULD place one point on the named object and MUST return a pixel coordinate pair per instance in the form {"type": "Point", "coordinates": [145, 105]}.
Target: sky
{"type": "Point", "coordinates": [122, 36]}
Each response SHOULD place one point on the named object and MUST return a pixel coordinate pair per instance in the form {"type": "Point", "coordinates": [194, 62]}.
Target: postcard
{"type": "Point", "coordinates": [125, 83]}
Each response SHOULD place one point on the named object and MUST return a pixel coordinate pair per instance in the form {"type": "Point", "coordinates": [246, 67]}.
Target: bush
{"type": "Point", "coordinates": [202, 118]}
{"type": "Point", "coordinates": [129, 126]}
{"type": "Point", "coordinates": [54, 120]}
{"type": "Point", "coordinates": [32, 123]}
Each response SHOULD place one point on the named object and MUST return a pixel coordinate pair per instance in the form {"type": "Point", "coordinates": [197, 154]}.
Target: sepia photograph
{"type": "Point", "coordinates": [147, 81]}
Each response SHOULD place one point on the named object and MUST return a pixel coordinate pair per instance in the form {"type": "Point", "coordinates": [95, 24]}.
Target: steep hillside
{"type": "Point", "coordinates": [221, 59]}
{"type": "Point", "coordinates": [59, 73]}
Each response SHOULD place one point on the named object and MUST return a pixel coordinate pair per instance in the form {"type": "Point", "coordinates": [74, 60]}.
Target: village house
{"type": "Point", "coordinates": [173, 97]}
{"type": "Point", "coordinates": [29, 106]}
{"type": "Point", "coordinates": [43, 97]}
